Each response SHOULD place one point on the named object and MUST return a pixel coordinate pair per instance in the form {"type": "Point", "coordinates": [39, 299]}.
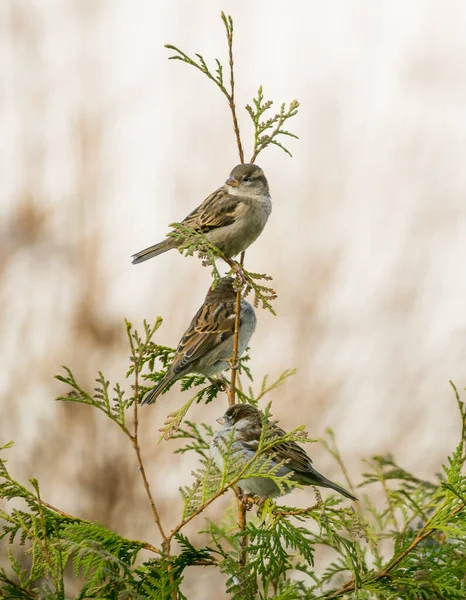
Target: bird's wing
{"type": "Point", "coordinates": [296, 457]}
{"type": "Point", "coordinates": [211, 325]}
{"type": "Point", "coordinates": [218, 210]}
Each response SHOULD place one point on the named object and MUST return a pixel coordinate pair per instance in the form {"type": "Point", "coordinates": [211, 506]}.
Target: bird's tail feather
{"type": "Point", "coordinates": [323, 481]}
{"type": "Point", "coordinates": [154, 250]}
{"type": "Point", "coordinates": [155, 392]}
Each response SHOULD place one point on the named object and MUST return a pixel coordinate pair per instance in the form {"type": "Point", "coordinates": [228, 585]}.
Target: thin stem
{"type": "Point", "coordinates": [57, 510]}
{"type": "Point", "coordinates": [297, 511]}
{"type": "Point", "coordinates": [234, 357]}
{"type": "Point", "coordinates": [231, 96]}
{"type": "Point", "coordinates": [134, 437]}
{"type": "Point", "coordinates": [135, 442]}
{"type": "Point", "coordinates": [20, 588]}
{"type": "Point", "coordinates": [147, 487]}
{"type": "Point", "coordinates": [231, 400]}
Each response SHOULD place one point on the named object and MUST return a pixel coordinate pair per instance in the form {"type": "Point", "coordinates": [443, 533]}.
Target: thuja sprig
{"type": "Point", "coordinates": [267, 131]}
{"type": "Point", "coordinates": [174, 419]}
{"type": "Point", "coordinates": [217, 75]}
{"type": "Point", "coordinates": [252, 398]}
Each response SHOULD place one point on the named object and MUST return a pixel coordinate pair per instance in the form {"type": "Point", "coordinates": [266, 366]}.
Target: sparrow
{"type": "Point", "coordinates": [207, 345]}
{"type": "Point", "coordinates": [246, 423]}
{"type": "Point", "coordinates": [231, 218]}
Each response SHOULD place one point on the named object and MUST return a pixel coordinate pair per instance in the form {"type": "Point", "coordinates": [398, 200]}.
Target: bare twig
{"type": "Point", "coordinates": [217, 76]}
{"type": "Point", "coordinates": [234, 357]}
{"type": "Point", "coordinates": [232, 400]}
{"type": "Point", "coordinates": [228, 21]}
{"type": "Point", "coordinates": [137, 356]}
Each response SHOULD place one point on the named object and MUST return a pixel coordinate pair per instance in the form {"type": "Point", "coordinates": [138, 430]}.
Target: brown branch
{"type": "Point", "coordinates": [231, 96]}
{"type": "Point", "coordinates": [58, 511]}
{"type": "Point", "coordinates": [232, 400]}
{"type": "Point", "coordinates": [18, 587]}
{"type": "Point", "coordinates": [422, 535]}
{"type": "Point", "coordinates": [234, 357]}
{"type": "Point", "coordinates": [135, 442]}
{"type": "Point", "coordinates": [155, 513]}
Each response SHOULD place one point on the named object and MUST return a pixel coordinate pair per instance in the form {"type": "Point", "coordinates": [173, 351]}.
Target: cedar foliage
{"type": "Point", "coordinates": [410, 546]}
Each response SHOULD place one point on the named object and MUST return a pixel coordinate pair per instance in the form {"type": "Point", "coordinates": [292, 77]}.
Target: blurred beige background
{"type": "Point", "coordinates": [105, 142]}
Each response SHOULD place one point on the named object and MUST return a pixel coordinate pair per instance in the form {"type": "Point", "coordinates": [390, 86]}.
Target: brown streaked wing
{"type": "Point", "coordinates": [218, 210]}
{"type": "Point", "coordinates": [211, 325]}
{"type": "Point", "coordinates": [296, 457]}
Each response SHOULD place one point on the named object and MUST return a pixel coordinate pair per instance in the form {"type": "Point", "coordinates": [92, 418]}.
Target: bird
{"type": "Point", "coordinates": [207, 345]}
{"type": "Point", "coordinates": [242, 426]}
{"type": "Point", "coordinates": [231, 218]}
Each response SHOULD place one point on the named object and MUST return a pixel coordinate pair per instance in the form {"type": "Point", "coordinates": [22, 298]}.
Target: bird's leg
{"type": "Point", "coordinates": [238, 269]}
{"type": "Point", "coordinates": [260, 502]}
{"type": "Point", "coordinates": [247, 500]}
{"type": "Point", "coordinates": [220, 382]}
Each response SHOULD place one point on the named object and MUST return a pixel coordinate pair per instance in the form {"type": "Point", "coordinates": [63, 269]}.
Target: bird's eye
{"type": "Point", "coordinates": [246, 179]}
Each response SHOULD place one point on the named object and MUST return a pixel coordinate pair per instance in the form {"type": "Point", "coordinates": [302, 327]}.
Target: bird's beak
{"type": "Point", "coordinates": [221, 420]}
{"type": "Point", "coordinates": [231, 181]}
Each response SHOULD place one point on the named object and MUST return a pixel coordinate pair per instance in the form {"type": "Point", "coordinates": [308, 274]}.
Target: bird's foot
{"type": "Point", "coordinates": [247, 501]}
{"type": "Point", "coordinates": [237, 267]}
{"type": "Point", "coordinates": [260, 502]}
{"type": "Point", "coordinates": [220, 383]}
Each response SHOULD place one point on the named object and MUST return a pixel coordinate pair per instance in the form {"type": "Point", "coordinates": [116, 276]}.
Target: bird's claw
{"type": "Point", "coordinates": [247, 501]}
{"type": "Point", "coordinates": [220, 383]}
{"type": "Point", "coordinates": [260, 502]}
{"type": "Point", "coordinates": [237, 267]}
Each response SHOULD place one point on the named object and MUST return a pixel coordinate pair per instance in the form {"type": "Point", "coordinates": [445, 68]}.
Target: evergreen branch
{"type": "Point", "coordinates": [334, 451]}
{"type": "Point", "coordinates": [273, 126]}
{"type": "Point", "coordinates": [44, 541]}
{"type": "Point", "coordinates": [265, 389]}
{"type": "Point", "coordinates": [296, 512]}
{"type": "Point", "coordinates": [424, 533]}
{"type": "Point", "coordinates": [198, 443]}
{"type": "Point", "coordinates": [228, 22]}
{"type": "Point", "coordinates": [173, 419]}
{"type": "Point", "coordinates": [462, 409]}
{"type": "Point", "coordinates": [100, 400]}
{"type": "Point", "coordinates": [217, 77]}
